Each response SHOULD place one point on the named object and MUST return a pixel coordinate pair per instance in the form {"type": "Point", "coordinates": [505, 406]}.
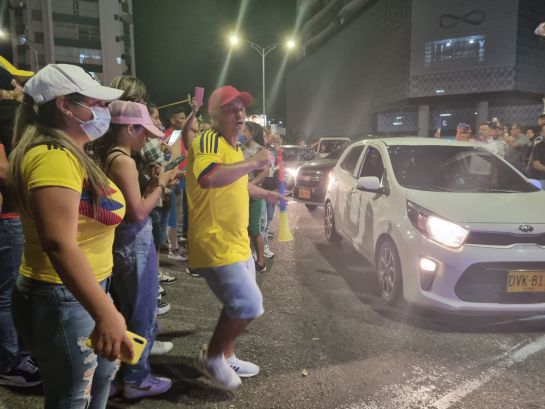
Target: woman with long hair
{"type": "Point", "coordinates": [69, 210]}
{"type": "Point", "coordinates": [135, 278]}
{"type": "Point", "coordinates": [253, 135]}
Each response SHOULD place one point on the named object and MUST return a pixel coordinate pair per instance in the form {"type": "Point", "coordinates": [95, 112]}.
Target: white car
{"type": "Point", "coordinates": [448, 225]}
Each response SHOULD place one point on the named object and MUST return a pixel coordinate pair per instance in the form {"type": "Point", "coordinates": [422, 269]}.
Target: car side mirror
{"type": "Point", "coordinates": [369, 184]}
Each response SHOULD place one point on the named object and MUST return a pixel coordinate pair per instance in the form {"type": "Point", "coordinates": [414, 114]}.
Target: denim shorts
{"type": "Point", "coordinates": [235, 286]}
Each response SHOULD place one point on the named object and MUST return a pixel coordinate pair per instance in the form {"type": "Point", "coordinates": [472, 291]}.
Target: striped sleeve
{"type": "Point", "coordinates": [208, 157]}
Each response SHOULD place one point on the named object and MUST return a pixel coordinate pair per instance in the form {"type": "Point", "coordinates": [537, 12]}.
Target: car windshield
{"type": "Point", "coordinates": [336, 154]}
{"type": "Point", "coordinates": [455, 169]}
{"type": "Point", "coordinates": [294, 154]}
{"type": "Point", "coordinates": [328, 146]}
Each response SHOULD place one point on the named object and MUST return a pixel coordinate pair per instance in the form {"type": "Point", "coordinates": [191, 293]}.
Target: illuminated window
{"type": "Point", "coordinates": [469, 49]}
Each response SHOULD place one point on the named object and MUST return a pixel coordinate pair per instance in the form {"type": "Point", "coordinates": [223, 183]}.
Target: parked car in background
{"type": "Point", "coordinates": [312, 178]}
{"type": "Point", "coordinates": [292, 157]}
{"type": "Point", "coordinates": [324, 146]}
{"type": "Point", "coordinates": [447, 224]}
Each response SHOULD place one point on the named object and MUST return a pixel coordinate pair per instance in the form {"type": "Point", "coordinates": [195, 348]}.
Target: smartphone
{"type": "Point", "coordinates": [138, 345]}
{"type": "Point", "coordinates": [199, 93]}
{"type": "Point", "coordinates": [171, 165]}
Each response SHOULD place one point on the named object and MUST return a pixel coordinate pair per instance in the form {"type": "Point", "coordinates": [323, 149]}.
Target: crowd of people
{"type": "Point", "coordinates": [92, 188]}
{"type": "Point", "coordinates": [522, 146]}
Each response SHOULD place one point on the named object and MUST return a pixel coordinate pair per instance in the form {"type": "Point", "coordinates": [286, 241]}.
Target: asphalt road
{"type": "Point", "coordinates": [327, 341]}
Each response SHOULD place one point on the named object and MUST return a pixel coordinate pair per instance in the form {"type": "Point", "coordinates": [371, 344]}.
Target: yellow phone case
{"type": "Point", "coordinates": [138, 345]}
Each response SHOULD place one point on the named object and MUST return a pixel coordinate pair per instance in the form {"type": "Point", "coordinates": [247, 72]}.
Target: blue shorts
{"type": "Point", "coordinates": [235, 286]}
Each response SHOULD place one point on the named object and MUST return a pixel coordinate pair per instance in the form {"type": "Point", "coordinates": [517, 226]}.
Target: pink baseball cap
{"type": "Point", "coordinates": [225, 95]}
{"type": "Point", "coordinates": [133, 113]}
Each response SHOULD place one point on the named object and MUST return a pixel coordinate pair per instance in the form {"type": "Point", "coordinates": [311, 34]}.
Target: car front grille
{"type": "Point", "coordinates": [487, 283]}
{"type": "Point", "coordinates": [504, 239]}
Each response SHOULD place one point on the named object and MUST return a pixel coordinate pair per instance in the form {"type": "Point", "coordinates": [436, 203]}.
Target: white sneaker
{"type": "Point", "coordinates": [243, 369]}
{"type": "Point", "coordinates": [177, 256]}
{"type": "Point", "coordinates": [165, 278]}
{"type": "Point", "coordinates": [161, 348]}
{"type": "Point", "coordinates": [268, 253]}
{"type": "Point", "coordinates": [162, 307]}
{"type": "Point", "coordinates": [218, 370]}
{"type": "Point", "coordinates": [191, 272]}
{"type": "Point", "coordinates": [151, 386]}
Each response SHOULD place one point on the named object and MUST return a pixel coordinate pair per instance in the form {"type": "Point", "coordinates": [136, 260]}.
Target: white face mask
{"type": "Point", "coordinates": [97, 126]}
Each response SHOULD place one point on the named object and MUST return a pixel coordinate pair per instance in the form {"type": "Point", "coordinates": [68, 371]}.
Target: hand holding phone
{"type": "Point", "coordinates": [138, 345]}
{"type": "Point", "coordinates": [174, 163]}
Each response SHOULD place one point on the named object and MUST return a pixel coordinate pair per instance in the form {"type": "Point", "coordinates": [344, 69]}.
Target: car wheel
{"type": "Point", "coordinates": [311, 207]}
{"type": "Point", "coordinates": [390, 281]}
{"type": "Point", "coordinates": [329, 224]}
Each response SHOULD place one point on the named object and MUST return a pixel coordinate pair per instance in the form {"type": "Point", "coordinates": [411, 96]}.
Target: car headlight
{"type": "Point", "coordinates": [436, 228]}
{"type": "Point", "coordinates": [292, 172]}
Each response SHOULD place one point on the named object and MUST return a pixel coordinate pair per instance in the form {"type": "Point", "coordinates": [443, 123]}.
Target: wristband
{"type": "Point", "coordinates": [163, 187]}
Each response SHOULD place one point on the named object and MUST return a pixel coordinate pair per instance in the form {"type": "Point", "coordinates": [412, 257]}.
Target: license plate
{"type": "Point", "coordinates": [526, 282]}
{"type": "Point", "coordinates": [304, 193]}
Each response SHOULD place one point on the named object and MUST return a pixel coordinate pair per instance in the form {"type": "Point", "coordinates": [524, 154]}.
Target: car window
{"type": "Point", "coordinates": [336, 154]}
{"type": "Point", "coordinates": [372, 164]}
{"type": "Point", "coordinates": [327, 146]}
{"type": "Point", "coordinates": [351, 160]}
{"type": "Point", "coordinates": [455, 169]}
{"type": "Point", "coordinates": [298, 153]}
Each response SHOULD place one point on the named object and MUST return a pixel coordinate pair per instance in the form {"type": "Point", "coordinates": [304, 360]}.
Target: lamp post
{"type": "Point", "coordinates": [234, 40]}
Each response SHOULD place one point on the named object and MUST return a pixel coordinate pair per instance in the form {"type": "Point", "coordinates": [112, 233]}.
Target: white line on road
{"type": "Point", "coordinates": [509, 360]}
{"type": "Point", "coordinates": [422, 392]}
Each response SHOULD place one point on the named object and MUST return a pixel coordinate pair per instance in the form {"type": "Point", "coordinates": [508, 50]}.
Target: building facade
{"type": "Point", "coordinates": [412, 66]}
{"type": "Point", "coordinates": [94, 34]}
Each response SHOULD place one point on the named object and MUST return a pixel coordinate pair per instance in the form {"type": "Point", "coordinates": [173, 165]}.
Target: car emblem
{"type": "Point", "coordinates": [525, 228]}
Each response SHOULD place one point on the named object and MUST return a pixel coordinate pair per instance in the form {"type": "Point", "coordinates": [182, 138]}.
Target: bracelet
{"type": "Point", "coordinates": [163, 187]}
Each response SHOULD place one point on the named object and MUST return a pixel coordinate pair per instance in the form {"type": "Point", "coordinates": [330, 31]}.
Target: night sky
{"type": "Point", "coordinates": [181, 44]}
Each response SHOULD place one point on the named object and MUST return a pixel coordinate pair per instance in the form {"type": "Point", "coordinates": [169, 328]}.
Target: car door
{"type": "Point", "coordinates": [366, 206]}
{"type": "Point", "coordinates": [347, 187]}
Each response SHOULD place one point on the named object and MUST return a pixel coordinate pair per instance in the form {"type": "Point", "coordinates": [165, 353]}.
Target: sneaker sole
{"type": "Point", "coordinates": [202, 369]}
{"type": "Point", "coordinates": [163, 312]}
{"type": "Point", "coordinates": [246, 375]}
{"type": "Point", "coordinates": [8, 382]}
{"type": "Point", "coordinates": [147, 394]}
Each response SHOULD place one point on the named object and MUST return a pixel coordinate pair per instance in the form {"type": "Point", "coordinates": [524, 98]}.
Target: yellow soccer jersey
{"type": "Point", "coordinates": [218, 217]}
{"type": "Point", "coordinates": [51, 165]}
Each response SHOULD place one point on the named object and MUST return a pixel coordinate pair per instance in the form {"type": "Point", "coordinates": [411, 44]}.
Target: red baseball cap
{"type": "Point", "coordinates": [225, 95]}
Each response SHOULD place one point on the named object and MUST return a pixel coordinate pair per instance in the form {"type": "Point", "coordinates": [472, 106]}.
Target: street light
{"type": "Point", "coordinates": [234, 40]}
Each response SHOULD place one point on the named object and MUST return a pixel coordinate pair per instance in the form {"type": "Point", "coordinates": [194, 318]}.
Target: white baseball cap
{"type": "Point", "coordinates": [55, 80]}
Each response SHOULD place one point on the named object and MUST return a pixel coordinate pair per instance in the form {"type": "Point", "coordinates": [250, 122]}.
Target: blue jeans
{"type": "Point", "coordinates": [266, 219]}
{"type": "Point", "coordinates": [11, 252]}
{"type": "Point", "coordinates": [55, 326]}
{"type": "Point", "coordinates": [136, 285]}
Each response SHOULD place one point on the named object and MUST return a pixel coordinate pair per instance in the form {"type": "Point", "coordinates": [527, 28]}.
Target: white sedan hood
{"type": "Point", "coordinates": [479, 208]}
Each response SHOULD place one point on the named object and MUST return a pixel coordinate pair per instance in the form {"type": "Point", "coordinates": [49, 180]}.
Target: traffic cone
{"type": "Point", "coordinates": [284, 232]}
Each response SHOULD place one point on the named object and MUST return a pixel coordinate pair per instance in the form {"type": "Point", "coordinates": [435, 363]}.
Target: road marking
{"type": "Point", "coordinates": [424, 390]}
{"type": "Point", "coordinates": [510, 359]}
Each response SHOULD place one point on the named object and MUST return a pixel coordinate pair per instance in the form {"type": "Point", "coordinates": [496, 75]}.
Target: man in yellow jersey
{"type": "Point", "coordinates": [219, 250]}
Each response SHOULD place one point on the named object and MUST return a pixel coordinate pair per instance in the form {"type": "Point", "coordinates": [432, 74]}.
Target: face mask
{"type": "Point", "coordinates": [242, 139]}
{"type": "Point", "coordinates": [97, 126]}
